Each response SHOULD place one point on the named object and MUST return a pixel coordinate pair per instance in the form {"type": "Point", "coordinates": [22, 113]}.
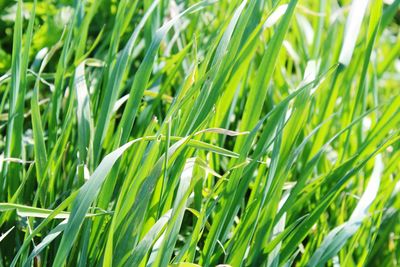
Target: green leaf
{"type": "Point", "coordinates": [337, 238]}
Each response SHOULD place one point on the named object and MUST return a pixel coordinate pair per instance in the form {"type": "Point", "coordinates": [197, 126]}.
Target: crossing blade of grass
{"type": "Point", "coordinates": [245, 233]}
{"type": "Point", "coordinates": [53, 234]}
{"type": "Point", "coordinates": [257, 94]}
{"type": "Point", "coordinates": [345, 173]}
{"type": "Point", "coordinates": [338, 236]}
{"type": "Point", "coordinates": [352, 29]}
{"type": "Point", "coordinates": [84, 199]}
{"type": "Point", "coordinates": [148, 240]}
{"type": "Point", "coordinates": [140, 82]}
{"type": "Point", "coordinates": [27, 211]}
{"type": "Point", "coordinates": [359, 104]}
{"type": "Point", "coordinates": [143, 73]}
{"type": "Point", "coordinates": [42, 225]}
{"type": "Point", "coordinates": [59, 83]}
{"type": "Point", "coordinates": [273, 186]}
{"type": "Point", "coordinates": [311, 164]}
{"type": "Point", "coordinates": [142, 199]}
{"type": "Point", "coordinates": [114, 82]}
{"type": "Point", "coordinates": [138, 87]}
{"type": "Point", "coordinates": [187, 181]}
{"type": "Point", "coordinates": [209, 92]}
{"type": "Point", "coordinates": [227, 212]}
{"type": "Point", "coordinates": [228, 208]}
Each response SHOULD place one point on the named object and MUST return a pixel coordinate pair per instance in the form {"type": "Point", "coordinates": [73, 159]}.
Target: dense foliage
{"type": "Point", "coordinates": [187, 133]}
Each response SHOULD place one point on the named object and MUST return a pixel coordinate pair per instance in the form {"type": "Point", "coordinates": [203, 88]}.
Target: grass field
{"type": "Point", "coordinates": [200, 133]}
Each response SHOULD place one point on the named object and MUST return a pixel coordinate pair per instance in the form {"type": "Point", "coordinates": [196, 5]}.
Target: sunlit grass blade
{"type": "Point", "coordinates": [199, 133]}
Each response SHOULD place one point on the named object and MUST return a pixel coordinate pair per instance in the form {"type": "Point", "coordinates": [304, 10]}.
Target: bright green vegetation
{"type": "Point", "coordinates": [187, 133]}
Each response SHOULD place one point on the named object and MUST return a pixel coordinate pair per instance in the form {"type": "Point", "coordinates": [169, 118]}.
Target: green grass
{"type": "Point", "coordinates": [197, 133]}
